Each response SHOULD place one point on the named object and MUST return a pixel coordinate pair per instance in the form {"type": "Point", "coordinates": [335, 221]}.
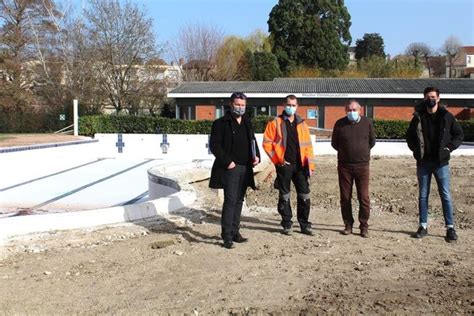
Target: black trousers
{"type": "Point", "coordinates": [235, 185]}
{"type": "Point", "coordinates": [296, 174]}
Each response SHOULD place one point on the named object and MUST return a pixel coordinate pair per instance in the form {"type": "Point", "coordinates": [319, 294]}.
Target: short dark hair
{"type": "Point", "coordinates": [290, 97]}
{"type": "Point", "coordinates": [238, 95]}
{"type": "Point", "coordinates": [431, 89]}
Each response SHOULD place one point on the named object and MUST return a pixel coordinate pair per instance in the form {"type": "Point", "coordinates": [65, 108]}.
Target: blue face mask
{"type": "Point", "coordinates": [353, 116]}
{"type": "Point", "coordinates": [290, 110]}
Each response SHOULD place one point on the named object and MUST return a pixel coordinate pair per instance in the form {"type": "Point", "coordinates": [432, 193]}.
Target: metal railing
{"type": "Point", "coordinates": [67, 130]}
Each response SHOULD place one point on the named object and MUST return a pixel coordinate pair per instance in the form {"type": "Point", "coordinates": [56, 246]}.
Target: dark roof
{"type": "Point", "coordinates": [330, 85]}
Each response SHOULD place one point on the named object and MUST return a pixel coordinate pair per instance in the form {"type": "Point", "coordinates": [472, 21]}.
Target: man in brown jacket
{"type": "Point", "coordinates": [353, 137]}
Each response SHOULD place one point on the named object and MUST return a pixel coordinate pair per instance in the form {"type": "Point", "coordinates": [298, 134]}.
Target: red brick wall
{"type": "Point", "coordinates": [461, 113]}
{"type": "Point", "coordinates": [335, 112]}
{"type": "Point", "coordinates": [393, 113]}
{"type": "Point", "coordinates": [205, 112]}
{"type": "Point", "coordinates": [332, 114]}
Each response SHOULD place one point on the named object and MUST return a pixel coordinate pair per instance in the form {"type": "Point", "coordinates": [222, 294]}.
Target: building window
{"type": "Point", "coordinates": [220, 111]}
{"type": "Point", "coordinates": [187, 112]}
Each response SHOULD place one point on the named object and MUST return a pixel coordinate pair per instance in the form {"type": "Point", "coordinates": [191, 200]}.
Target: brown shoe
{"type": "Point", "coordinates": [364, 233]}
{"type": "Point", "coordinates": [347, 230]}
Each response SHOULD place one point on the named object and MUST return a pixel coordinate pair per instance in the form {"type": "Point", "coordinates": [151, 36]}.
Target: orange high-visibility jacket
{"type": "Point", "coordinates": [275, 138]}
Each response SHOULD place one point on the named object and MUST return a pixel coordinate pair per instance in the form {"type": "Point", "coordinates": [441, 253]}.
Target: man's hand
{"type": "Point", "coordinates": [256, 160]}
{"type": "Point", "coordinates": [231, 165]}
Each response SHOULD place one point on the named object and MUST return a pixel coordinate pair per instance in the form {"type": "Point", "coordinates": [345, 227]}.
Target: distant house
{"type": "Point", "coordinates": [463, 63]}
{"type": "Point", "coordinates": [322, 100]}
{"type": "Point", "coordinates": [352, 55]}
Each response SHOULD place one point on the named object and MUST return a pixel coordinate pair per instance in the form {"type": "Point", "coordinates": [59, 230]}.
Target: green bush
{"type": "Point", "coordinates": [397, 129]}
{"type": "Point", "coordinates": [90, 125]}
{"type": "Point", "coordinates": [390, 129]}
{"type": "Point", "coordinates": [468, 128]}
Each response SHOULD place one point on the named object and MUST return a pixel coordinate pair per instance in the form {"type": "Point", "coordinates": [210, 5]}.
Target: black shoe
{"type": "Point", "coordinates": [421, 232]}
{"type": "Point", "coordinates": [451, 235]}
{"type": "Point", "coordinates": [307, 231]}
{"type": "Point", "coordinates": [364, 233]}
{"type": "Point", "coordinates": [287, 231]}
{"type": "Point", "coordinates": [228, 244]}
{"type": "Point", "coordinates": [347, 230]}
{"type": "Point", "coordinates": [239, 239]}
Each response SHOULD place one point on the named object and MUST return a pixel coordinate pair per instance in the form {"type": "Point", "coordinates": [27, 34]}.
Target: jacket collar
{"type": "Point", "coordinates": [421, 108]}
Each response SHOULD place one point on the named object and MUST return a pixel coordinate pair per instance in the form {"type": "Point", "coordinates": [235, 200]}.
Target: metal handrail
{"type": "Point", "coordinates": [63, 130]}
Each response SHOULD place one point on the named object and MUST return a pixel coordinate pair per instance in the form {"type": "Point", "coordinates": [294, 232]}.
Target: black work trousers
{"type": "Point", "coordinates": [235, 185]}
{"type": "Point", "coordinates": [296, 174]}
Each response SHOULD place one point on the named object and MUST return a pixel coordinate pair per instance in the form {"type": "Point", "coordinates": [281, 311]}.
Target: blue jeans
{"type": "Point", "coordinates": [424, 170]}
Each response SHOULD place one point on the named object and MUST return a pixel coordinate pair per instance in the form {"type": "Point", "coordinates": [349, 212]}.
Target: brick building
{"type": "Point", "coordinates": [322, 100]}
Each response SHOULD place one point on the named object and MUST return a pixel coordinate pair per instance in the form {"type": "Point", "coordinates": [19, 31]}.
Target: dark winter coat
{"type": "Point", "coordinates": [221, 146]}
{"type": "Point", "coordinates": [450, 135]}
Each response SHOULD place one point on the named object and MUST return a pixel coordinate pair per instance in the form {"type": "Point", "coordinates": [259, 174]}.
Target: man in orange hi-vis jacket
{"type": "Point", "coordinates": [287, 142]}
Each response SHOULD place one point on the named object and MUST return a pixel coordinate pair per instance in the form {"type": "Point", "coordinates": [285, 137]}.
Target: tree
{"type": "Point", "coordinates": [310, 33]}
{"type": "Point", "coordinates": [451, 47]}
{"type": "Point", "coordinates": [24, 29]}
{"type": "Point", "coordinates": [420, 50]}
{"type": "Point", "coordinates": [117, 43]}
{"type": "Point", "coordinates": [228, 56]}
{"type": "Point", "coordinates": [27, 43]}
{"type": "Point", "coordinates": [265, 66]}
{"type": "Point", "coordinates": [370, 45]}
{"type": "Point", "coordinates": [235, 56]}
{"type": "Point", "coordinates": [375, 67]}
{"type": "Point", "coordinates": [198, 44]}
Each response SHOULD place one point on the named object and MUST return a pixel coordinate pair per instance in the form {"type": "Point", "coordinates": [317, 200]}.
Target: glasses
{"type": "Point", "coordinates": [352, 110]}
{"type": "Point", "coordinates": [238, 95]}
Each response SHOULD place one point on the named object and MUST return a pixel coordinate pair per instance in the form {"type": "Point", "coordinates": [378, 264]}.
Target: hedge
{"type": "Point", "coordinates": [90, 125]}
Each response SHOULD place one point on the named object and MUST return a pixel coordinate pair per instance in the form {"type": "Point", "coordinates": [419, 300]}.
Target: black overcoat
{"type": "Point", "coordinates": [220, 143]}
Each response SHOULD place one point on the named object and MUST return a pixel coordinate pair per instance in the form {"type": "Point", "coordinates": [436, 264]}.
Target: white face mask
{"type": "Point", "coordinates": [353, 116]}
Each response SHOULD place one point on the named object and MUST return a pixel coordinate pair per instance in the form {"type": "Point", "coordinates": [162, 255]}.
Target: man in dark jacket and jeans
{"type": "Point", "coordinates": [233, 144]}
{"type": "Point", "coordinates": [432, 135]}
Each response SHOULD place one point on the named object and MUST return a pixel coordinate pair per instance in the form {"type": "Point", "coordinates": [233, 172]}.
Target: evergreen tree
{"type": "Point", "coordinates": [370, 45]}
{"type": "Point", "coordinates": [311, 33]}
{"type": "Point", "coordinates": [265, 66]}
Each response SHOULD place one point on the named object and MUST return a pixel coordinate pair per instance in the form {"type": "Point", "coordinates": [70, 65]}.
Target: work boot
{"type": "Point", "coordinates": [228, 244]}
{"type": "Point", "coordinates": [239, 238]}
{"type": "Point", "coordinates": [287, 231]}
{"type": "Point", "coordinates": [364, 233]}
{"type": "Point", "coordinates": [307, 231]}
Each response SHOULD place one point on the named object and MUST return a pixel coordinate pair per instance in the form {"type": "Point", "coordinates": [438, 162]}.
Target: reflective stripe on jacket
{"type": "Point", "coordinates": [275, 138]}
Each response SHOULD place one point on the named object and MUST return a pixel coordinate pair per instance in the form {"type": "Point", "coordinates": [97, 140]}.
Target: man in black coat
{"type": "Point", "coordinates": [432, 135]}
{"type": "Point", "coordinates": [233, 144]}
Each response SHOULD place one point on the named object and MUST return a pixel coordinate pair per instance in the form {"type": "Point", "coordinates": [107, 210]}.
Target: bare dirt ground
{"type": "Point", "coordinates": [176, 265]}
{"type": "Point", "coordinates": [9, 140]}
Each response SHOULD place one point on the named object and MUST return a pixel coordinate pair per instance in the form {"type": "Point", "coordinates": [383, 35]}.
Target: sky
{"type": "Point", "coordinates": [399, 22]}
